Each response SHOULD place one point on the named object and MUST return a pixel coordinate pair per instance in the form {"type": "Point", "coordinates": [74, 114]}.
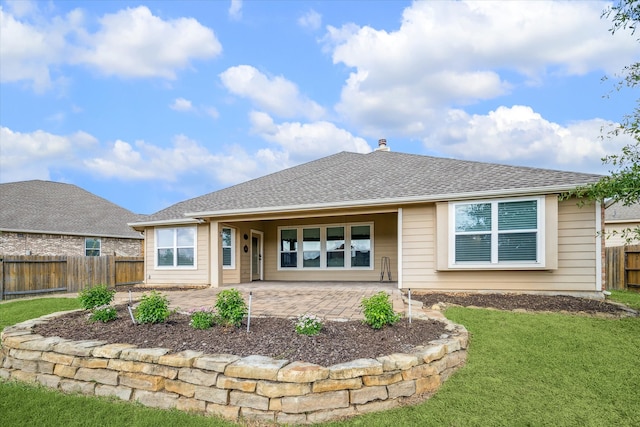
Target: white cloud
{"type": "Point", "coordinates": [34, 155]}
{"type": "Point", "coordinates": [456, 53]}
{"type": "Point", "coordinates": [276, 95]}
{"type": "Point", "coordinates": [235, 10]}
{"type": "Point", "coordinates": [311, 20]}
{"type": "Point", "coordinates": [129, 43]}
{"type": "Point", "coordinates": [143, 161]}
{"type": "Point", "coordinates": [181, 104]}
{"type": "Point", "coordinates": [520, 136]}
{"type": "Point", "coordinates": [22, 8]}
{"type": "Point", "coordinates": [135, 43]}
{"type": "Point", "coordinates": [27, 50]}
{"type": "Point", "coordinates": [306, 141]}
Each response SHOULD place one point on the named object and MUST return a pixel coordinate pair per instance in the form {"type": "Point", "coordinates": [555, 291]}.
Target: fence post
{"type": "Point", "coordinates": [112, 271]}
{"type": "Point", "coordinates": [1, 279]}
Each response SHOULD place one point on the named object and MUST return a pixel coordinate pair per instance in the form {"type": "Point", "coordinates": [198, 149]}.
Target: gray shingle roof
{"type": "Point", "coordinates": [57, 208]}
{"type": "Point", "coordinates": [360, 178]}
{"type": "Point", "coordinates": [619, 212]}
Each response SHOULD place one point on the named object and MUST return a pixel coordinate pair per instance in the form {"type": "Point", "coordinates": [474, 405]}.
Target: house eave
{"type": "Point", "coordinates": [180, 221]}
{"type": "Point", "coordinates": [69, 233]}
{"type": "Point", "coordinates": [380, 202]}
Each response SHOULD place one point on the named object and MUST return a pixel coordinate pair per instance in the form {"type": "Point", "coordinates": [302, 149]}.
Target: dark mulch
{"type": "Point", "coordinates": [338, 342]}
{"type": "Point", "coordinates": [522, 302]}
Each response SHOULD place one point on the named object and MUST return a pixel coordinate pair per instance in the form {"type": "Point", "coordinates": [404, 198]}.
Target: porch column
{"type": "Point", "coordinates": [216, 254]}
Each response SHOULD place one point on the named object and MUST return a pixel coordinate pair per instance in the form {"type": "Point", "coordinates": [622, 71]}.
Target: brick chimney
{"type": "Point", "coordinates": [382, 145]}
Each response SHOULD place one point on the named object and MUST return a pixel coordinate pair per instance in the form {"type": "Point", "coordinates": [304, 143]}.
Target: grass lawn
{"type": "Point", "coordinates": [523, 370]}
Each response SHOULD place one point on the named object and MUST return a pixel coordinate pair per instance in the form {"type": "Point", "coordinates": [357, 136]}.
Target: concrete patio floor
{"type": "Point", "coordinates": [328, 300]}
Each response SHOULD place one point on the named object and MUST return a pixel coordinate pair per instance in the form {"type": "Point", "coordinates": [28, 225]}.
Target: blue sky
{"type": "Point", "coordinates": [149, 103]}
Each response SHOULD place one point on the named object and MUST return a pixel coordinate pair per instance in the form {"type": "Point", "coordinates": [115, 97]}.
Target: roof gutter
{"type": "Point", "coordinates": [136, 225]}
{"type": "Point", "coordinates": [380, 202]}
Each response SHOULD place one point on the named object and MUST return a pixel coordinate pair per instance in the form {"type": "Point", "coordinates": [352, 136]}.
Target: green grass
{"type": "Point", "coordinates": [20, 310]}
{"type": "Point", "coordinates": [523, 370]}
{"type": "Point", "coordinates": [632, 299]}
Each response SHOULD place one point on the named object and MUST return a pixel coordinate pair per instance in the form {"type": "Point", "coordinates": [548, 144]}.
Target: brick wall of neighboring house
{"type": "Point", "coordinates": [55, 244]}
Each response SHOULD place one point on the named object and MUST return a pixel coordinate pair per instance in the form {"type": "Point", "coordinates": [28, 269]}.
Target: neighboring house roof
{"type": "Point", "coordinates": [352, 179]}
{"type": "Point", "coordinates": [617, 212]}
{"type": "Point", "coordinates": [56, 208]}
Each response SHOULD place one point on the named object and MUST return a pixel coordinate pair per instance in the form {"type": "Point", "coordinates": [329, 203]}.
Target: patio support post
{"type": "Point", "coordinates": [216, 254]}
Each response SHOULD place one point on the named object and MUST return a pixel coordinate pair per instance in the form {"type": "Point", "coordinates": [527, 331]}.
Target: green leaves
{"type": "Point", "coordinates": [231, 307]}
{"type": "Point", "coordinates": [96, 296]}
{"type": "Point", "coordinates": [378, 311]}
{"type": "Point", "coordinates": [153, 308]}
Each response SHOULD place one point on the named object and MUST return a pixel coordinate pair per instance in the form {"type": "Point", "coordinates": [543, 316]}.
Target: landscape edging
{"type": "Point", "coordinates": [230, 386]}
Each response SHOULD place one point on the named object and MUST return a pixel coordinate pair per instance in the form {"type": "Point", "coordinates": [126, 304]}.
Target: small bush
{"type": "Point", "coordinates": [202, 319]}
{"type": "Point", "coordinates": [230, 307]}
{"type": "Point", "coordinates": [378, 311]}
{"type": "Point", "coordinates": [103, 314]}
{"type": "Point", "coordinates": [96, 296]}
{"type": "Point", "coordinates": [309, 325]}
{"type": "Point", "coordinates": [153, 308]}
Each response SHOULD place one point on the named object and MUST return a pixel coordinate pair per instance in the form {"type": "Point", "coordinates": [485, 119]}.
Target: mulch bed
{"type": "Point", "coordinates": [338, 342]}
{"type": "Point", "coordinates": [527, 302]}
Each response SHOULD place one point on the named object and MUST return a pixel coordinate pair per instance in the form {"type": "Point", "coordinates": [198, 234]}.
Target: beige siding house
{"type": "Point", "coordinates": [421, 222]}
{"type": "Point", "coordinates": [619, 218]}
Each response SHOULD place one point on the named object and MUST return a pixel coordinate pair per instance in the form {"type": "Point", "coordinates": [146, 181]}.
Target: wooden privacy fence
{"type": "Point", "coordinates": [622, 267]}
{"type": "Point", "coordinates": [32, 275]}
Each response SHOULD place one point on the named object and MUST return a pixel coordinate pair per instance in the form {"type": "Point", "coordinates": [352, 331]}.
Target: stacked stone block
{"type": "Point", "coordinates": [230, 386]}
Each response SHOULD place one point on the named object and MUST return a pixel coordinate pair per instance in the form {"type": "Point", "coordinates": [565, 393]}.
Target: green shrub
{"type": "Point", "coordinates": [231, 307]}
{"type": "Point", "coordinates": [96, 296]}
{"type": "Point", "coordinates": [202, 319]}
{"type": "Point", "coordinates": [309, 325]}
{"type": "Point", "coordinates": [104, 314]}
{"type": "Point", "coordinates": [153, 308]}
{"type": "Point", "coordinates": [378, 311]}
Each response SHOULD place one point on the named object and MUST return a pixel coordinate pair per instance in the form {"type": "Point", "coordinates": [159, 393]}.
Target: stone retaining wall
{"type": "Point", "coordinates": [227, 385]}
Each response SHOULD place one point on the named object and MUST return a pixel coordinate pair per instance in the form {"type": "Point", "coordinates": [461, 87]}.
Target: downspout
{"type": "Point", "coordinates": [600, 248]}
{"type": "Point", "coordinates": [400, 263]}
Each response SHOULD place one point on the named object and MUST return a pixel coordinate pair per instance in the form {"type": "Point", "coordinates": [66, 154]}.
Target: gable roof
{"type": "Point", "coordinates": [56, 208]}
{"type": "Point", "coordinates": [617, 212]}
{"type": "Point", "coordinates": [352, 179]}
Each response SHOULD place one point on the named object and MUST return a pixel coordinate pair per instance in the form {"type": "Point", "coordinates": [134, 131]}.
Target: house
{"type": "Point", "coordinates": [52, 218]}
{"type": "Point", "coordinates": [431, 223]}
{"type": "Point", "coordinates": [617, 218]}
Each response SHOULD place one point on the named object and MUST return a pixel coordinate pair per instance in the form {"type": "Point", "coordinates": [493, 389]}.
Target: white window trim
{"type": "Point", "coordinates": [175, 247]}
{"type": "Point", "coordinates": [93, 249]}
{"type": "Point", "coordinates": [323, 247]}
{"type": "Point", "coordinates": [494, 263]}
{"type": "Point", "coordinates": [233, 248]}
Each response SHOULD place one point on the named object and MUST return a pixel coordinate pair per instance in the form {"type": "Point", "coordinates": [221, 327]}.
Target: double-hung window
{"type": "Point", "coordinates": [497, 232]}
{"type": "Point", "coordinates": [335, 247]}
{"type": "Point", "coordinates": [228, 254]}
{"type": "Point", "coordinates": [343, 246]}
{"type": "Point", "coordinates": [92, 246]}
{"type": "Point", "coordinates": [176, 247]}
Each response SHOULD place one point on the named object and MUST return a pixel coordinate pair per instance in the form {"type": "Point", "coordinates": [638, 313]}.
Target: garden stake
{"type": "Point", "coordinates": [409, 305]}
{"type": "Point", "coordinates": [249, 314]}
{"type": "Point", "coordinates": [131, 314]}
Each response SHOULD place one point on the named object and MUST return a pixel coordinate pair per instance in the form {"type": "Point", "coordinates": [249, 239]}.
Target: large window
{"type": "Point", "coordinates": [176, 247]}
{"type": "Point", "coordinates": [92, 246]}
{"type": "Point", "coordinates": [497, 232]}
{"type": "Point", "coordinates": [228, 243]}
{"type": "Point", "coordinates": [326, 247]}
